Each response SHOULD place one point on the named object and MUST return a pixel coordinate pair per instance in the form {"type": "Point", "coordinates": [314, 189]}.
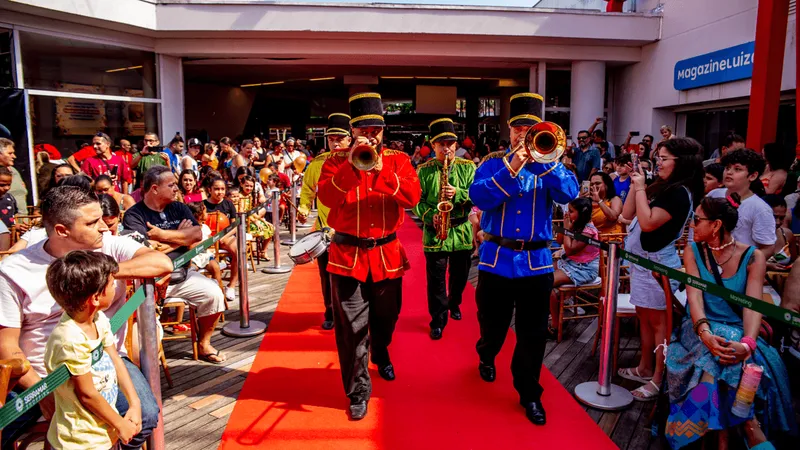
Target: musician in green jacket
{"type": "Point", "coordinates": [445, 240]}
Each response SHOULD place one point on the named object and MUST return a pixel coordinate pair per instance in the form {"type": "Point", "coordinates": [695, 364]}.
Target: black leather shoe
{"type": "Point", "coordinates": [386, 372]}
{"type": "Point", "coordinates": [487, 371]}
{"type": "Point", "coordinates": [534, 411]}
{"type": "Point", "coordinates": [358, 410]}
{"type": "Point", "coordinates": [327, 325]}
{"type": "Point", "coordinates": [436, 333]}
{"type": "Point", "coordinates": [455, 314]}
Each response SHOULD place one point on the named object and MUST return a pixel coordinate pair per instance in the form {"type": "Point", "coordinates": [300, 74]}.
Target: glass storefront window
{"type": "Point", "coordinates": [67, 123]}
{"type": "Point", "coordinates": [6, 63]}
{"type": "Point", "coordinates": [559, 85]}
{"type": "Point", "coordinates": [69, 65]}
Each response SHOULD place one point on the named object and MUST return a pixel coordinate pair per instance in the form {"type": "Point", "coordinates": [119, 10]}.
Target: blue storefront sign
{"type": "Point", "coordinates": [721, 66]}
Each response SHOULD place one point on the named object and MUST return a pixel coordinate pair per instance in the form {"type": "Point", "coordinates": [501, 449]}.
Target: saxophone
{"type": "Point", "coordinates": [441, 220]}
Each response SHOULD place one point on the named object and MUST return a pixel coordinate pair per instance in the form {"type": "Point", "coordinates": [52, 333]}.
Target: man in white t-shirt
{"type": "Point", "coordinates": [28, 313]}
{"type": "Point", "coordinates": [756, 225]}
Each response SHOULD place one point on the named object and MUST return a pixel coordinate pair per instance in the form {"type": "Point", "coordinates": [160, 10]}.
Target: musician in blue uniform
{"type": "Point", "coordinates": [516, 195]}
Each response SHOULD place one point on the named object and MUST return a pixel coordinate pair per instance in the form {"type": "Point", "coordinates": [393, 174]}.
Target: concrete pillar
{"type": "Point", "coordinates": [505, 112]}
{"type": "Point", "coordinates": [170, 87]}
{"type": "Point", "coordinates": [541, 85]}
{"type": "Point", "coordinates": [587, 94]}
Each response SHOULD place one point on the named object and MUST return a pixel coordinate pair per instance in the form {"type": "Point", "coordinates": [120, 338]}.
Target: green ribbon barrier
{"type": "Point", "coordinates": [767, 309]}
{"type": "Point", "coordinates": [33, 395]}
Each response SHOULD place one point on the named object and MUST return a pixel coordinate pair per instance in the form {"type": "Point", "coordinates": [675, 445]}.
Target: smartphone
{"type": "Point", "coordinates": [114, 171]}
{"type": "Point", "coordinates": [156, 148]}
{"type": "Point", "coordinates": [634, 133]}
{"type": "Point", "coordinates": [635, 161]}
{"type": "Point", "coordinates": [585, 187]}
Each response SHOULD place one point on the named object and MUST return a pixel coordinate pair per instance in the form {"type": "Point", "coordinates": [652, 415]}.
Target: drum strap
{"type": "Point", "coordinates": [365, 243]}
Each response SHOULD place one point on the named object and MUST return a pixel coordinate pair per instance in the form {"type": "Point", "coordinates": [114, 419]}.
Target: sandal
{"type": "Point", "coordinates": [644, 393]}
{"type": "Point", "coordinates": [632, 373]}
{"type": "Point", "coordinates": [207, 358]}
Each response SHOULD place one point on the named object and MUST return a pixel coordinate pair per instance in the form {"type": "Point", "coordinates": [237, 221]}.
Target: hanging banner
{"type": "Point", "coordinates": [77, 116]}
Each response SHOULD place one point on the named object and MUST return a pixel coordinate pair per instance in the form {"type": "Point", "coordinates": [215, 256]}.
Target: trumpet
{"type": "Point", "coordinates": [545, 142]}
{"type": "Point", "coordinates": [365, 156]}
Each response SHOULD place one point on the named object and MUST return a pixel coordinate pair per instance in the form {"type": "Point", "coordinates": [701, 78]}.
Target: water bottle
{"type": "Point", "coordinates": [748, 385]}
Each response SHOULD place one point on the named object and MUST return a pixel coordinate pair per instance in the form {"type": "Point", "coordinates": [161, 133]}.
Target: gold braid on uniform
{"type": "Point", "coordinates": [492, 155]}
{"type": "Point", "coordinates": [459, 160]}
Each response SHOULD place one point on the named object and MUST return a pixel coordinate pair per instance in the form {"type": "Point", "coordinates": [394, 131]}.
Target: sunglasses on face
{"type": "Point", "coordinates": [698, 219]}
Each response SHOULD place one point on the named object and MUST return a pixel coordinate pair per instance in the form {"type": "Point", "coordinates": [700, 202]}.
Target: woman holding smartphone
{"type": "Point", "coordinates": [658, 215]}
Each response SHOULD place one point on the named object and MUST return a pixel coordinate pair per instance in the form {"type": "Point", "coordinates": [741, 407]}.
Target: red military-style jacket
{"type": "Point", "coordinates": [368, 204]}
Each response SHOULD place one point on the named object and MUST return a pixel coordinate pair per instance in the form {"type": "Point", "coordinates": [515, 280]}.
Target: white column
{"type": "Point", "coordinates": [541, 87]}
{"type": "Point", "coordinates": [587, 94]}
{"type": "Point", "coordinates": [170, 88]}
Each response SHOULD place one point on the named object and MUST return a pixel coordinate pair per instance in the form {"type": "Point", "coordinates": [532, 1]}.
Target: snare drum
{"type": "Point", "coordinates": [309, 248]}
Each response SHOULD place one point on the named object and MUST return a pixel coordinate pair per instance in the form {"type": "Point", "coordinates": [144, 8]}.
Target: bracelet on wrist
{"type": "Point", "coordinates": [699, 323]}
{"type": "Point", "coordinates": [749, 342]}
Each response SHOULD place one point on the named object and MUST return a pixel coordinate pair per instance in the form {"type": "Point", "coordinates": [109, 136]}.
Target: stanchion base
{"type": "Point", "coordinates": [279, 269]}
{"type": "Point", "coordinates": [304, 226]}
{"type": "Point", "coordinates": [620, 397]}
{"type": "Point", "coordinates": [235, 330]}
{"type": "Point", "coordinates": [288, 242]}
{"type": "Point", "coordinates": [313, 209]}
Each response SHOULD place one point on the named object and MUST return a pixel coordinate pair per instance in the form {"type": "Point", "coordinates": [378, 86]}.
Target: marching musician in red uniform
{"type": "Point", "coordinates": [367, 189]}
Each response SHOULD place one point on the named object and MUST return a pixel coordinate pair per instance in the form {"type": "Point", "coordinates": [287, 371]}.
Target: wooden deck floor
{"type": "Point", "coordinates": [196, 410]}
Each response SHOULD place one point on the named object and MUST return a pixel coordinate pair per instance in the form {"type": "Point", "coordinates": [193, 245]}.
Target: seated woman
{"type": "Point", "coordinates": [785, 248]}
{"type": "Point", "coordinates": [111, 213]}
{"type": "Point", "coordinates": [258, 225]}
{"type": "Point", "coordinates": [704, 361]}
{"type": "Point", "coordinates": [580, 263]}
{"type": "Point", "coordinates": [606, 205]}
{"type": "Point", "coordinates": [216, 202]}
{"type": "Point", "coordinates": [190, 188]}
{"type": "Point", "coordinates": [104, 185]}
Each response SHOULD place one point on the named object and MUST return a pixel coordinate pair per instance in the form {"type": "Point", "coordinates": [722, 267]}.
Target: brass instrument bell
{"type": "Point", "coordinates": [365, 157]}
{"type": "Point", "coordinates": [545, 142]}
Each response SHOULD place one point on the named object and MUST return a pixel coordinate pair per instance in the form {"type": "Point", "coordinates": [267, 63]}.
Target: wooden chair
{"type": "Point", "coordinates": [23, 219]}
{"type": "Point", "coordinates": [252, 244]}
{"type": "Point", "coordinates": [180, 307]}
{"type": "Point", "coordinates": [11, 370]}
{"type": "Point", "coordinates": [584, 296]}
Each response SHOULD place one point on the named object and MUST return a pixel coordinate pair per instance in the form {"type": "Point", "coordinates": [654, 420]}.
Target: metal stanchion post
{"type": "Point", "coordinates": [292, 216]}
{"type": "Point", "coordinates": [601, 394]}
{"type": "Point", "coordinates": [245, 328]}
{"type": "Point", "coordinates": [276, 238]}
{"type": "Point", "coordinates": [148, 358]}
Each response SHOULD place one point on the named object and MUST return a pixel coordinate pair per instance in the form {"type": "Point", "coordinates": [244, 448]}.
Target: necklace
{"type": "Point", "coordinates": [723, 246]}
{"type": "Point", "coordinates": [720, 264]}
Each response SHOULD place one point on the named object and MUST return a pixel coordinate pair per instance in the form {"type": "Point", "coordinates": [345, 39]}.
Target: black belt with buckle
{"type": "Point", "coordinates": [458, 221]}
{"type": "Point", "coordinates": [365, 243]}
{"type": "Point", "coordinates": [517, 245]}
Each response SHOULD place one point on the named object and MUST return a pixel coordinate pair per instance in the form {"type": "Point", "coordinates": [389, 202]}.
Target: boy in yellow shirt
{"type": "Point", "coordinates": [82, 283]}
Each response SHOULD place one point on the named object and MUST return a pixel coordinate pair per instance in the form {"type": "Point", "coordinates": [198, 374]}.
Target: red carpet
{"type": "Point", "coordinates": [293, 396]}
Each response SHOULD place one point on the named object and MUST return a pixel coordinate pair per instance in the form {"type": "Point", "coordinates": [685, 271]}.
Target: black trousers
{"type": "Point", "coordinates": [325, 280]}
{"type": "Point", "coordinates": [439, 302]}
{"type": "Point", "coordinates": [497, 298]}
{"type": "Point", "coordinates": [364, 316]}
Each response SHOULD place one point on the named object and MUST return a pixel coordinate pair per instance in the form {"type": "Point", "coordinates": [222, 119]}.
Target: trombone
{"type": "Point", "coordinates": [545, 142]}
